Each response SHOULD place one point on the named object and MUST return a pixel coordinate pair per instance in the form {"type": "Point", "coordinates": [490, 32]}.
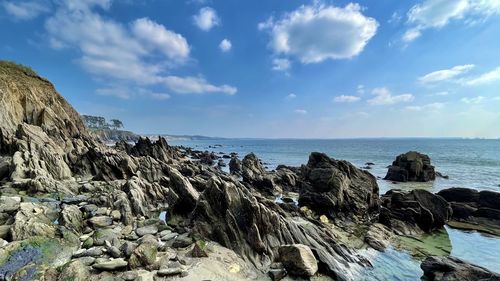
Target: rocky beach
{"type": "Point", "coordinates": [74, 208]}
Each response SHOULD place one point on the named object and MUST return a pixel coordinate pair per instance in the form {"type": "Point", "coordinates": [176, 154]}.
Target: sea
{"type": "Point", "coordinates": [472, 163]}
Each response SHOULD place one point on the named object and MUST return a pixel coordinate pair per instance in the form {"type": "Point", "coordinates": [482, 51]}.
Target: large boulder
{"type": "Point", "coordinates": [411, 166]}
{"type": "Point", "coordinates": [450, 268]}
{"type": "Point", "coordinates": [34, 219]}
{"type": "Point", "coordinates": [331, 186]}
{"type": "Point", "coordinates": [298, 260]}
{"type": "Point", "coordinates": [417, 208]}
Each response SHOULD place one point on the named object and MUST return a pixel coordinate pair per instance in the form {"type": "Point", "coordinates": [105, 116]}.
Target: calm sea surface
{"type": "Point", "coordinates": [472, 163]}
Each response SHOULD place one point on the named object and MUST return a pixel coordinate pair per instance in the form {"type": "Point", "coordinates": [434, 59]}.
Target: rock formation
{"type": "Point", "coordinates": [411, 166]}
{"type": "Point", "coordinates": [448, 269]}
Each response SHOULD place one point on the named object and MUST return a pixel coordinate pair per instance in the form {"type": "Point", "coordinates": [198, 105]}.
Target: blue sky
{"type": "Point", "coordinates": [300, 69]}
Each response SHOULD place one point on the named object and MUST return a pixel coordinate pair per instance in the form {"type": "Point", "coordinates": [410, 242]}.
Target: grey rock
{"type": "Point", "coordinates": [110, 265]}
{"type": "Point", "coordinates": [101, 221]}
{"type": "Point", "coordinates": [298, 260]}
{"type": "Point", "coordinates": [450, 268]}
{"type": "Point", "coordinates": [149, 229]}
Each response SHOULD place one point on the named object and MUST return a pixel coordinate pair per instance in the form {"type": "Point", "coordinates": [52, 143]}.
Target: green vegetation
{"type": "Point", "coordinates": [99, 122]}
{"type": "Point", "coordinates": [9, 68]}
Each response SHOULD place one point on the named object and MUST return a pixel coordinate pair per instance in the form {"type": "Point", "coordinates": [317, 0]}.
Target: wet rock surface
{"type": "Point", "coordinates": [444, 269]}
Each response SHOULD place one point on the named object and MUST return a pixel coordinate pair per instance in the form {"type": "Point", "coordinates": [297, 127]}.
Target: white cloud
{"type": "Point", "coordinates": [439, 13]}
{"type": "Point", "coordinates": [140, 53]}
{"type": "Point", "coordinates": [300, 111]}
{"type": "Point", "coordinates": [444, 93]}
{"type": "Point", "coordinates": [281, 64]}
{"type": "Point", "coordinates": [291, 96]}
{"type": "Point", "coordinates": [411, 34]}
{"type": "Point", "coordinates": [26, 10]}
{"type": "Point", "coordinates": [206, 19]}
{"type": "Point", "coordinates": [344, 98]}
{"type": "Point", "coordinates": [225, 45]}
{"type": "Point", "coordinates": [485, 78]}
{"type": "Point", "coordinates": [475, 100]}
{"type": "Point", "coordinates": [384, 97]}
{"type": "Point", "coordinates": [195, 85]}
{"type": "Point", "coordinates": [128, 93]}
{"type": "Point", "coordinates": [445, 74]}
{"type": "Point", "coordinates": [428, 107]}
{"type": "Point", "coordinates": [360, 89]}
{"type": "Point", "coordinates": [172, 44]}
{"type": "Point", "coordinates": [316, 33]}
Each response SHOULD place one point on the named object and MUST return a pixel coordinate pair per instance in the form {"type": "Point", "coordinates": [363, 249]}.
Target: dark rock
{"type": "Point", "coordinates": [489, 199]}
{"type": "Point", "coordinates": [411, 166]}
{"type": "Point", "coordinates": [182, 241]}
{"type": "Point", "coordinates": [254, 173]}
{"type": "Point", "coordinates": [459, 194]}
{"type": "Point", "coordinates": [450, 268]}
{"type": "Point", "coordinates": [235, 165]}
{"type": "Point", "coordinates": [330, 186]}
{"type": "Point", "coordinates": [277, 274]}
{"type": "Point", "coordinates": [369, 163]}
{"type": "Point", "coordinates": [415, 208]}
{"type": "Point", "coordinates": [438, 174]}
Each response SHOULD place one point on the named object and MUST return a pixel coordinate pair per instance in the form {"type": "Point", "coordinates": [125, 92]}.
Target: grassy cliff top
{"type": "Point", "coordinates": [10, 68]}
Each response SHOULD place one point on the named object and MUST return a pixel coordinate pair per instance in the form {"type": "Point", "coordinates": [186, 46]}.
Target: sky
{"type": "Point", "coordinates": [269, 68]}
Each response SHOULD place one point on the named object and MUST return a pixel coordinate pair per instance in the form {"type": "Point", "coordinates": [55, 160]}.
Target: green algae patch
{"type": "Point", "coordinates": [437, 243]}
{"type": "Point", "coordinates": [28, 259]}
{"type": "Point", "coordinates": [482, 225]}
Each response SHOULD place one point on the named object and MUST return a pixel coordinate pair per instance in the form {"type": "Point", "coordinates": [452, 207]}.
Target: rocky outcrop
{"type": "Point", "coordinates": [298, 260]}
{"type": "Point", "coordinates": [409, 212]}
{"type": "Point", "coordinates": [254, 173]}
{"type": "Point", "coordinates": [411, 166]}
{"type": "Point", "coordinates": [450, 268]}
{"type": "Point", "coordinates": [330, 187]}
{"type": "Point", "coordinates": [473, 209]}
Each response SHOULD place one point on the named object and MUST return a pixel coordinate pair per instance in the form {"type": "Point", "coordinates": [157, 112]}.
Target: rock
{"type": "Point", "coordinates": [9, 204]}
{"type": "Point", "coordinates": [330, 186]}
{"type": "Point", "coordinates": [438, 174]}
{"type": "Point", "coordinates": [221, 163]}
{"type": "Point", "coordinates": [116, 215]}
{"type": "Point", "coordinates": [130, 276]}
{"type": "Point", "coordinates": [182, 241]}
{"type": "Point", "coordinates": [88, 243]}
{"type": "Point", "coordinates": [199, 250]}
{"type": "Point", "coordinates": [298, 260]}
{"type": "Point", "coordinates": [74, 270]}
{"type": "Point", "coordinates": [489, 199]}
{"type": "Point", "coordinates": [101, 221]}
{"type": "Point", "coordinates": [33, 219]}
{"type": "Point", "coordinates": [110, 265]}
{"type": "Point", "coordinates": [450, 268]}
{"type": "Point", "coordinates": [143, 255]}
{"type": "Point", "coordinates": [459, 194]}
{"type": "Point", "coordinates": [235, 165]}
{"type": "Point", "coordinates": [254, 173]}
{"type": "Point", "coordinates": [415, 208]}
{"type": "Point", "coordinates": [411, 166]}
{"type": "Point", "coordinates": [169, 272]}
{"type": "Point", "coordinates": [128, 248]}
{"type": "Point", "coordinates": [277, 274]}
{"type": "Point", "coordinates": [4, 231]}
{"type": "Point", "coordinates": [149, 229]}
{"type": "Point", "coordinates": [72, 218]}
{"type": "Point", "coordinates": [378, 237]}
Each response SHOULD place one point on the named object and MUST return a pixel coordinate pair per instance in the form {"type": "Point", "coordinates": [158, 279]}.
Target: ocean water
{"type": "Point", "coordinates": [472, 163]}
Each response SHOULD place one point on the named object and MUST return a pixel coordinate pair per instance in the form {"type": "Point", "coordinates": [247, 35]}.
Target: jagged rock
{"type": "Point", "coordinates": [417, 208]}
{"type": "Point", "coordinates": [253, 227]}
{"type": "Point", "coordinates": [298, 260]}
{"type": "Point", "coordinates": [187, 194]}
{"type": "Point", "coordinates": [254, 173]}
{"type": "Point", "coordinates": [411, 166]}
{"type": "Point", "coordinates": [33, 220]}
{"type": "Point", "coordinates": [378, 237]}
{"type": "Point", "coordinates": [330, 186]}
{"type": "Point", "coordinates": [235, 165]}
{"type": "Point", "coordinates": [450, 268]}
{"type": "Point", "coordinates": [71, 217]}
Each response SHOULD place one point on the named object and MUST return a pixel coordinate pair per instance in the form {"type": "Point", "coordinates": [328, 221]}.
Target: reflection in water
{"type": "Point", "coordinates": [163, 216]}
{"type": "Point", "coordinates": [391, 265]}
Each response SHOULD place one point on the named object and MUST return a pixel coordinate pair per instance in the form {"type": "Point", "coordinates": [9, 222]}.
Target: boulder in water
{"type": "Point", "coordinates": [411, 166]}
{"type": "Point", "coordinates": [450, 268]}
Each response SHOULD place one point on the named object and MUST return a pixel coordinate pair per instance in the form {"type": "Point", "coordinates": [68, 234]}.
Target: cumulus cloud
{"type": "Point", "coordinates": [445, 74]}
{"type": "Point", "coordinates": [475, 100]}
{"type": "Point", "coordinates": [428, 107]}
{"type": "Point", "coordinates": [139, 53]}
{"type": "Point", "coordinates": [206, 19]}
{"type": "Point", "coordinates": [195, 85]}
{"type": "Point", "coordinates": [281, 64]}
{"type": "Point", "coordinates": [384, 97]}
{"type": "Point", "coordinates": [26, 10]}
{"type": "Point", "coordinates": [485, 78]}
{"type": "Point", "coordinates": [300, 111]}
{"type": "Point", "coordinates": [225, 45]}
{"type": "Point", "coordinates": [438, 13]}
{"type": "Point", "coordinates": [291, 96]}
{"type": "Point", "coordinates": [344, 98]}
{"type": "Point", "coordinates": [319, 32]}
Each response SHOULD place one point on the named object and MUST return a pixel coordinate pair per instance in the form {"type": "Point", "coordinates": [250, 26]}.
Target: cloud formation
{"type": "Point", "coordinates": [300, 111]}
{"type": "Point", "coordinates": [344, 98]}
{"type": "Point", "coordinates": [384, 97]}
{"type": "Point", "coordinates": [475, 100]}
{"type": "Point", "coordinates": [315, 33]}
{"type": "Point", "coordinates": [281, 64]}
{"type": "Point", "coordinates": [225, 45]}
{"type": "Point", "coordinates": [485, 78]}
{"type": "Point", "coordinates": [439, 13]}
{"type": "Point", "coordinates": [139, 53]}
{"type": "Point", "coordinates": [445, 74]}
{"type": "Point", "coordinates": [206, 19]}
{"type": "Point", "coordinates": [26, 10]}
{"type": "Point", "coordinates": [428, 107]}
